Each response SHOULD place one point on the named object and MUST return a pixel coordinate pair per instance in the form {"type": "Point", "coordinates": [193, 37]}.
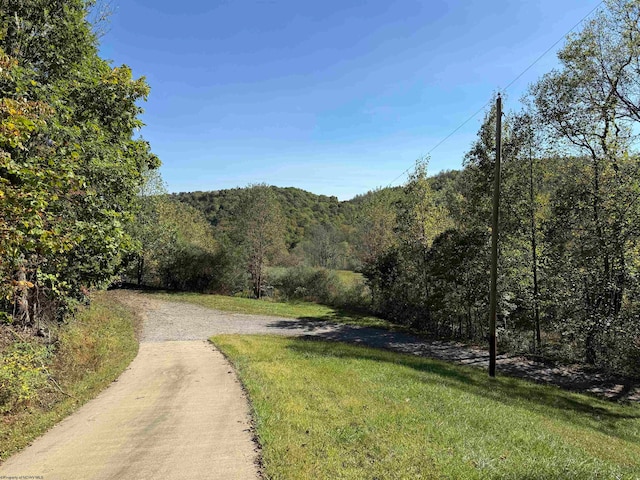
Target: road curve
{"type": "Point", "coordinates": [178, 412]}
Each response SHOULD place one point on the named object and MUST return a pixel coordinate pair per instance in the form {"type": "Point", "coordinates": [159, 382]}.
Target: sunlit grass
{"type": "Point", "coordinates": [304, 310]}
{"type": "Point", "coordinates": [328, 410]}
{"type": "Point", "coordinates": [349, 278]}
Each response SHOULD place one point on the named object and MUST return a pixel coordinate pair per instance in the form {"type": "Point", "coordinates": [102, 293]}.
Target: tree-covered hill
{"type": "Point", "coordinates": [301, 209]}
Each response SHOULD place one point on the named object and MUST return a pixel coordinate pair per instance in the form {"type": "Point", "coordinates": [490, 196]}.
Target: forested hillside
{"type": "Point", "coordinates": [303, 210]}
{"type": "Point", "coordinates": [312, 222]}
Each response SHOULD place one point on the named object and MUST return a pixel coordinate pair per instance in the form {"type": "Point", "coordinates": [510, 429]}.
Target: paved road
{"type": "Point", "coordinates": [178, 412]}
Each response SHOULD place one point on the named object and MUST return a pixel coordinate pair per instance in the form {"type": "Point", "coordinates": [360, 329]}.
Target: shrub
{"type": "Point", "coordinates": [318, 285]}
{"type": "Point", "coordinates": [22, 374]}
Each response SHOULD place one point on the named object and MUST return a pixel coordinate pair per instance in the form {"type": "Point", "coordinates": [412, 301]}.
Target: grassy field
{"type": "Point", "coordinates": [349, 278]}
{"type": "Point", "coordinates": [305, 310]}
{"type": "Point", "coordinates": [92, 350]}
{"type": "Point", "coordinates": [334, 411]}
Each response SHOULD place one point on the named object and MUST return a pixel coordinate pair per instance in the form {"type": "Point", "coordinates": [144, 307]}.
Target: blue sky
{"type": "Point", "coordinates": [335, 97]}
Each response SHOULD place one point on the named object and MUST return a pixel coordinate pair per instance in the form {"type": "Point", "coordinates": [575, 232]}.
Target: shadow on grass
{"type": "Point", "coordinates": [362, 329]}
{"type": "Point", "coordinates": [377, 337]}
{"type": "Point", "coordinates": [579, 410]}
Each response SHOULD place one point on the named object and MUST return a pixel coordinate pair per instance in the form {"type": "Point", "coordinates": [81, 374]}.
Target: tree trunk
{"type": "Point", "coordinates": [22, 297]}
{"type": "Point", "coordinates": [140, 269]}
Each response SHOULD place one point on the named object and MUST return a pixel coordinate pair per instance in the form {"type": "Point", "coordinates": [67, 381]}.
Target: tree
{"type": "Point", "coordinates": [399, 277]}
{"type": "Point", "coordinates": [149, 229]}
{"type": "Point", "coordinates": [69, 167]}
{"type": "Point", "coordinates": [376, 224]}
{"type": "Point", "coordinates": [588, 107]}
{"type": "Point", "coordinates": [259, 231]}
{"type": "Point", "coordinates": [325, 247]}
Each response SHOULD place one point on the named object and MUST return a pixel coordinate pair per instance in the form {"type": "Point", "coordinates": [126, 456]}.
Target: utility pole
{"type": "Point", "coordinates": [493, 299]}
{"type": "Point", "coordinates": [532, 202]}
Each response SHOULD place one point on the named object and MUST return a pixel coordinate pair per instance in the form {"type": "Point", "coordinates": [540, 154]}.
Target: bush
{"type": "Point", "coordinates": [98, 337]}
{"type": "Point", "coordinates": [318, 285]}
{"type": "Point", "coordinates": [22, 374]}
{"type": "Point", "coordinates": [39, 384]}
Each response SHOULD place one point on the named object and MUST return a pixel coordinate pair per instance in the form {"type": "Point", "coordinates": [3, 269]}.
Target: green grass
{"type": "Point", "coordinates": [327, 410]}
{"type": "Point", "coordinates": [349, 278]}
{"type": "Point", "coordinates": [302, 310]}
{"type": "Point", "coordinates": [92, 351]}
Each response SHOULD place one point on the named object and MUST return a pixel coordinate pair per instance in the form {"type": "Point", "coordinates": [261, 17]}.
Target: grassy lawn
{"type": "Point", "coordinates": [303, 310]}
{"type": "Point", "coordinates": [333, 411]}
{"type": "Point", "coordinates": [92, 350]}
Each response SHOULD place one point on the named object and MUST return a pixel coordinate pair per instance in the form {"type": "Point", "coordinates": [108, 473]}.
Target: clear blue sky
{"type": "Point", "coordinates": [335, 97]}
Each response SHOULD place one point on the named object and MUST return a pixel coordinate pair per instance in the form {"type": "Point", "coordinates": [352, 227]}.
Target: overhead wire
{"type": "Point", "coordinates": [474, 115]}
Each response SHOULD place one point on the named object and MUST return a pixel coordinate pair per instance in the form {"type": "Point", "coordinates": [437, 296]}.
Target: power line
{"type": "Point", "coordinates": [453, 132]}
{"type": "Point", "coordinates": [445, 139]}
{"type": "Point", "coordinates": [552, 46]}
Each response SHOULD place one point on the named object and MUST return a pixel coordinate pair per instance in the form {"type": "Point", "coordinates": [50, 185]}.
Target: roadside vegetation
{"type": "Point", "coordinates": [43, 380]}
{"type": "Point", "coordinates": [328, 410]}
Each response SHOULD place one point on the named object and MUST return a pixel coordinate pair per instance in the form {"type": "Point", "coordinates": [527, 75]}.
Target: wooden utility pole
{"type": "Point", "coordinates": [493, 299]}
{"type": "Point", "coordinates": [532, 202]}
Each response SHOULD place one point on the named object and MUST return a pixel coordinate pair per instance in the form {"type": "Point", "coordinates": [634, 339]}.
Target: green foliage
{"type": "Point", "coordinates": [568, 278]}
{"type": "Point", "coordinates": [101, 339]}
{"type": "Point", "coordinates": [177, 248]}
{"type": "Point", "coordinates": [375, 221]}
{"type": "Point", "coordinates": [318, 285]}
{"type": "Point", "coordinates": [22, 374]}
{"type": "Point", "coordinates": [399, 276]}
{"type": "Point", "coordinates": [258, 232]}
{"type": "Point", "coordinates": [303, 210]}
{"type": "Point", "coordinates": [587, 109]}
{"type": "Point", "coordinates": [69, 166]}
{"type": "Point", "coordinates": [90, 352]}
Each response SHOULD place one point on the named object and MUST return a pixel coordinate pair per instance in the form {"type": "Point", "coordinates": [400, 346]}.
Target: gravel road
{"type": "Point", "coordinates": [183, 321]}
